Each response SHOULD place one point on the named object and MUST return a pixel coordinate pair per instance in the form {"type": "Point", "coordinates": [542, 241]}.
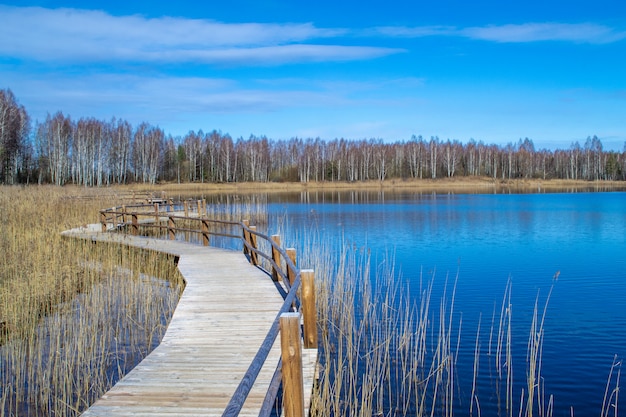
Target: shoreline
{"type": "Point", "coordinates": [458, 185]}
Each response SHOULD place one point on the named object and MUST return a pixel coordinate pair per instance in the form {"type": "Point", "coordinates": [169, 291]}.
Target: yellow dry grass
{"type": "Point", "coordinates": [456, 184]}
{"type": "Point", "coordinates": [58, 354]}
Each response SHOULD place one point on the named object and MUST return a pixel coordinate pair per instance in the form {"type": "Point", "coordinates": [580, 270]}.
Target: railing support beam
{"type": "Point", "coordinates": [291, 354]}
{"type": "Point", "coordinates": [205, 232]}
{"type": "Point", "coordinates": [156, 215]}
{"type": "Point", "coordinates": [276, 257]}
{"type": "Point", "coordinates": [135, 225]}
{"type": "Point", "coordinates": [254, 258]}
{"type": "Point", "coordinates": [309, 310]}
{"type": "Point", "coordinates": [291, 272]}
{"type": "Point", "coordinates": [171, 226]}
{"type": "Point", "coordinates": [246, 236]}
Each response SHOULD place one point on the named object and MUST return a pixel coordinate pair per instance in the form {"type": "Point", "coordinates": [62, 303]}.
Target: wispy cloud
{"type": "Point", "coordinates": [415, 31]}
{"type": "Point", "coordinates": [533, 32]}
{"type": "Point", "coordinates": [72, 35]}
{"type": "Point", "coordinates": [515, 33]}
{"type": "Point", "coordinates": [161, 99]}
{"type": "Point", "coordinates": [273, 55]}
{"type": "Point", "coordinates": [164, 99]}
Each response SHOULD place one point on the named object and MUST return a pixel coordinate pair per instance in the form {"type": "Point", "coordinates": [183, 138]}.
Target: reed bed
{"type": "Point", "coordinates": [76, 316]}
{"type": "Point", "coordinates": [391, 346]}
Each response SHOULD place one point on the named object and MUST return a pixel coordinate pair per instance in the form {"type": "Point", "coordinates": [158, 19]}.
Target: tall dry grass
{"type": "Point", "coordinates": [74, 316]}
{"type": "Point", "coordinates": [387, 350]}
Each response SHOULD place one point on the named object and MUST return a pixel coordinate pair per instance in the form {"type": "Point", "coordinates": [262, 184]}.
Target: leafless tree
{"type": "Point", "coordinates": [450, 157]}
{"type": "Point", "coordinates": [54, 138]}
{"type": "Point", "coordinates": [147, 147]}
{"type": "Point", "coordinates": [93, 153]}
{"type": "Point", "coordinates": [433, 146]}
{"type": "Point", "coordinates": [14, 129]}
{"type": "Point", "coordinates": [120, 150]}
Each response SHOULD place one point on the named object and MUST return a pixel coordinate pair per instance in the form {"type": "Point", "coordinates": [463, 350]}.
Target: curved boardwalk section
{"type": "Point", "coordinates": [224, 314]}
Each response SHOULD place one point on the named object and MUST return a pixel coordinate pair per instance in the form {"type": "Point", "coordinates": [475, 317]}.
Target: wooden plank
{"type": "Point", "coordinates": [223, 316]}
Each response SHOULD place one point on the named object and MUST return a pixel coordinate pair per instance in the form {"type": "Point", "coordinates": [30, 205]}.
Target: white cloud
{"type": "Point", "coordinates": [177, 103]}
{"type": "Point", "coordinates": [72, 35]}
{"type": "Point", "coordinates": [414, 32]}
{"type": "Point", "coordinates": [533, 32]}
{"type": "Point", "coordinates": [273, 55]}
{"type": "Point", "coordinates": [157, 99]}
{"type": "Point", "coordinates": [527, 32]}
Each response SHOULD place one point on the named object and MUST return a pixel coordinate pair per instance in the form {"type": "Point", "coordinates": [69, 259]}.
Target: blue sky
{"type": "Point", "coordinates": [495, 71]}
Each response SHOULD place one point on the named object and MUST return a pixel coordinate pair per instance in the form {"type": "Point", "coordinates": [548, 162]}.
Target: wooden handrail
{"type": "Point", "coordinates": [151, 216]}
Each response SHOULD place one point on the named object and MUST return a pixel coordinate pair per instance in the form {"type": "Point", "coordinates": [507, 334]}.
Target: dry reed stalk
{"type": "Point", "coordinates": [58, 348]}
{"type": "Point", "coordinates": [533, 358]}
{"type": "Point", "coordinates": [386, 354]}
{"type": "Point", "coordinates": [374, 338]}
{"type": "Point", "coordinates": [611, 395]}
{"type": "Point", "coordinates": [473, 396]}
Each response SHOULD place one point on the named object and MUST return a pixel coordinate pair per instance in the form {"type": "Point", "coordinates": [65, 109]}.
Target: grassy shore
{"type": "Point", "coordinates": [443, 185]}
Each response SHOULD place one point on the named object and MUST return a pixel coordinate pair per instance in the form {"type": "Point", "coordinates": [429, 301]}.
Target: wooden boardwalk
{"type": "Point", "coordinates": [222, 318]}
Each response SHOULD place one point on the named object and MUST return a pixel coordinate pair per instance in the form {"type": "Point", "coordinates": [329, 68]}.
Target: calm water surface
{"type": "Point", "coordinates": [576, 241]}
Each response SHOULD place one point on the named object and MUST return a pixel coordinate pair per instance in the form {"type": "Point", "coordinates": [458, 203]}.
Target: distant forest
{"type": "Point", "coordinates": [94, 152]}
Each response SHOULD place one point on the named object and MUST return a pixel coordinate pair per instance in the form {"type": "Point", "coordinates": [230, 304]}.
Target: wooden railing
{"type": "Point", "coordinates": [171, 220]}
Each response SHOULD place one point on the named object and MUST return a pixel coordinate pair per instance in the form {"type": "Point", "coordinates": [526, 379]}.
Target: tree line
{"type": "Point", "coordinates": [94, 152]}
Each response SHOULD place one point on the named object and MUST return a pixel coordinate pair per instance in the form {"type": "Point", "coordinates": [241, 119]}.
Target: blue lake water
{"type": "Point", "coordinates": [576, 241]}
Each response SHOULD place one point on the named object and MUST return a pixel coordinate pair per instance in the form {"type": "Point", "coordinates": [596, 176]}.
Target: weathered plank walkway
{"type": "Point", "coordinates": [223, 315]}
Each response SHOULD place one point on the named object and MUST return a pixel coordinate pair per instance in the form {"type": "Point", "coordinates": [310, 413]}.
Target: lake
{"type": "Point", "coordinates": [575, 242]}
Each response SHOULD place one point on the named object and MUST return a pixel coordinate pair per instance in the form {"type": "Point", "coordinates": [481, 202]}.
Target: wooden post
{"type": "Point", "coordinates": [124, 214]}
{"type": "Point", "coordinates": [171, 227]}
{"type": "Point", "coordinates": [291, 354]}
{"type": "Point", "coordinates": [291, 273]}
{"type": "Point", "coordinates": [246, 236]}
{"type": "Point", "coordinates": [135, 228]}
{"type": "Point", "coordinates": [253, 255]}
{"type": "Point", "coordinates": [156, 217]}
{"type": "Point", "coordinates": [199, 204]}
{"type": "Point", "coordinates": [309, 311]}
{"type": "Point", "coordinates": [204, 206]}
{"type": "Point", "coordinates": [115, 219]}
{"type": "Point", "coordinates": [205, 232]}
{"type": "Point", "coordinates": [276, 258]}
{"type": "Point", "coordinates": [171, 205]}
{"type": "Point", "coordinates": [186, 205]}
{"type": "Point", "coordinates": [103, 221]}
